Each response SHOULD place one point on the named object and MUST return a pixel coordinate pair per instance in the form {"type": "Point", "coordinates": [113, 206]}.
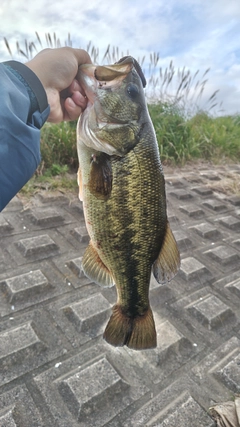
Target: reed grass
{"type": "Point", "coordinates": [186, 129]}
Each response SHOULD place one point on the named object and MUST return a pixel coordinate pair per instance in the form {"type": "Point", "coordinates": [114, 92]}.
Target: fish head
{"type": "Point", "coordinates": [116, 108]}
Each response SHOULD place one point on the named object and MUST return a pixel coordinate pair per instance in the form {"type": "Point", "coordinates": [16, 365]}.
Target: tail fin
{"type": "Point", "coordinates": [137, 332]}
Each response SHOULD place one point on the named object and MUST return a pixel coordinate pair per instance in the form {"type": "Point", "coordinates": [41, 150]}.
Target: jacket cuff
{"type": "Point", "coordinates": [33, 83]}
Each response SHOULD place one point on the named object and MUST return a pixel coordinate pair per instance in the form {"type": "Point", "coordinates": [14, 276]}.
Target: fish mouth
{"type": "Point", "coordinates": [92, 77]}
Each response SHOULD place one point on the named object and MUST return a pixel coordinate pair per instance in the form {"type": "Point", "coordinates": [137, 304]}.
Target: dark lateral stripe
{"type": "Point", "coordinates": [33, 82]}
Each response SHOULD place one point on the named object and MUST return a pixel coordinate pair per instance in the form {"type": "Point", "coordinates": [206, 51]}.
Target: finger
{"type": "Point", "coordinates": [82, 56]}
{"type": "Point", "coordinates": [79, 99]}
{"type": "Point", "coordinates": [74, 87]}
{"type": "Point", "coordinates": [72, 110]}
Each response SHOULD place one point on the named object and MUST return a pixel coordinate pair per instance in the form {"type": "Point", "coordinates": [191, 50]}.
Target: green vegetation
{"type": "Point", "coordinates": [58, 146]}
{"type": "Point", "coordinates": [186, 131]}
{"type": "Point", "coordinates": [181, 139]}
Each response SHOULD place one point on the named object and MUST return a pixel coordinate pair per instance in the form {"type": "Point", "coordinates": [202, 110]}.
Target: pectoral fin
{"type": "Point", "coordinates": [167, 264]}
{"type": "Point", "coordinates": [100, 179]}
{"type": "Point", "coordinates": [94, 268]}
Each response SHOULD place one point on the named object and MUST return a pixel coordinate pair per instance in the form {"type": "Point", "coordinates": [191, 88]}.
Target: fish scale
{"type": "Point", "coordinates": [123, 193]}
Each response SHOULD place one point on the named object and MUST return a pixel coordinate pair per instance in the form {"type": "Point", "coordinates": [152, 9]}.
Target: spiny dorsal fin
{"type": "Point", "coordinates": [167, 264]}
{"type": "Point", "coordinates": [94, 268]}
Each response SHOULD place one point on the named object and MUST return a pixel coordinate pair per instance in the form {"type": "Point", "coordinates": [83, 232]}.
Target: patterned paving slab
{"type": "Point", "coordinates": [55, 367]}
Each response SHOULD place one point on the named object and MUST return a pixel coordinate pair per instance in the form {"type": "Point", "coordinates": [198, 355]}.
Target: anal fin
{"type": "Point", "coordinates": [95, 269]}
{"type": "Point", "coordinates": [167, 264]}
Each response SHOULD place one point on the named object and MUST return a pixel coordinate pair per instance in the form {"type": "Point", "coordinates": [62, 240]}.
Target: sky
{"type": "Point", "coordinates": [195, 34]}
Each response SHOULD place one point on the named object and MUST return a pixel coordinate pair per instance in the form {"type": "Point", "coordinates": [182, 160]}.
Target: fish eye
{"type": "Point", "coordinates": [132, 91]}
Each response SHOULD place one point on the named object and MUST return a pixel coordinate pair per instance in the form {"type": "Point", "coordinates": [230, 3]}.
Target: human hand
{"type": "Point", "coordinates": [57, 70]}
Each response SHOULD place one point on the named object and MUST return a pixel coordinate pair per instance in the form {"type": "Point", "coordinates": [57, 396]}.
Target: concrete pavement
{"type": "Point", "coordinates": [55, 368]}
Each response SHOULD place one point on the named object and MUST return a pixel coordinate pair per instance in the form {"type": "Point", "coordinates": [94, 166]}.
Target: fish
{"type": "Point", "coordinates": [122, 188]}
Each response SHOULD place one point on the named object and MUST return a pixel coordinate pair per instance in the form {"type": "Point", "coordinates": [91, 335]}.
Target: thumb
{"type": "Point", "coordinates": [82, 56]}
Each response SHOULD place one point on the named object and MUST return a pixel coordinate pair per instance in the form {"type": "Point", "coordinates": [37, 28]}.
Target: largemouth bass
{"type": "Point", "coordinates": [122, 187]}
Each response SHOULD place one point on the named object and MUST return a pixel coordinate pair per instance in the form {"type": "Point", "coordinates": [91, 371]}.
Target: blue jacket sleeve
{"type": "Point", "coordinates": [23, 111]}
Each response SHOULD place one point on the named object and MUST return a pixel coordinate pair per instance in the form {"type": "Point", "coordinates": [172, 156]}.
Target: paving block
{"type": "Point", "coordinates": [52, 197]}
{"type": "Point", "coordinates": [230, 374]}
{"type": "Point", "coordinates": [206, 230]}
{"type": "Point", "coordinates": [183, 241]}
{"type": "Point", "coordinates": [5, 260]}
{"type": "Point", "coordinates": [76, 266]}
{"type": "Point", "coordinates": [46, 216]}
{"type": "Point", "coordinates": [15, 340]}
{"type": "Point", "coordinates": [81, 234]}
{"type": "Point", "coordinates": [41, 245]}
{"type": "Point", "coordinates": [187, 413]}
{"type": "Point", "coordinates": [17, 345]}
{"type": "Point", "coordinates": [210, 176]}
{"type": "Point", "coordinates": [5, 226]}
{"type": "Point", "coordinates": [237, 243]}
{"type": "Point", "coordinates": [26, 285]}
{"type": "Point", "coordinates": [202, 191]}
{"type": "Point", "coordinates": [235, 200]}
{"type": "Point", "coordinates": [7, 418]}
{"type": "Point", "coordinates": [210, 311]}
{"type": "Point", "coordinates": [174, 182]}
{"type": "Point", "coordinates": [215, 205]}
{"type": "Point", "coordinates": [85, 390]}
{"type": "Point", "coordinates": [175, 406]}
{"type": "Point", "coordinates": [89, 389]}
{"type": "Point", "coordinates": [26, 342]}
{"type": "Point", "coordinates": [170, 343]}
{"type": "Point", "coordinates": [230, 222]}
{"type": "Point", "coordinates": [17, 409]}
{"type": "Point", "coordinates": [89, 315]}
{"type": "Point", "coordinates": [14, 205]}
{"type": "Point", "coordinates": [192, 269]}
{"type": "Point", "coordinates": [172, 218]}
{"type": "Point", "coordinates": [234, 286]}
{"type": "Point", "coordinates": [193, 178]}
{"type": "Point", "coordinates": [181, 194]}
{"type": "Point", "coordinates": [222, 365]}
{"type": "Point", "coordinates": [192, 211]}
{"type": "Point", "coordinates": [223, 255]}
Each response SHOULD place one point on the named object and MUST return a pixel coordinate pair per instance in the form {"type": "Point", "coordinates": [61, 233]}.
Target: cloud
{"type": "Point", "coordinates": [193, 33]}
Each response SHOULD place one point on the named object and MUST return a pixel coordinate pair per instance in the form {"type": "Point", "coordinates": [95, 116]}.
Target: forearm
{"type": "Point", "coordinates": [23, 112]}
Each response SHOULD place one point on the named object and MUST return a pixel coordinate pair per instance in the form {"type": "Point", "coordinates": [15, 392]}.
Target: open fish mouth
{"type": "Point", "coordinates": [92, 77]}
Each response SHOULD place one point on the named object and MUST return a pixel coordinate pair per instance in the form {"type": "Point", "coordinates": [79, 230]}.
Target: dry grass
{"type": "Point", "coordinates": [228, 184]}
{"type": "Point", "coordinates": [177, 87]}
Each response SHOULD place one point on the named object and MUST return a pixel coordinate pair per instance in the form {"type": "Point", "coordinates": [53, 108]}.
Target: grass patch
{"type": "Point", "coordinates": [176, 144]}
{"type": "Point", "coordinates": [58, 147]}
{"type": "Point", "coordinates": [182, 139]}
{"type": "Point", "coordinates": [64, 183]}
